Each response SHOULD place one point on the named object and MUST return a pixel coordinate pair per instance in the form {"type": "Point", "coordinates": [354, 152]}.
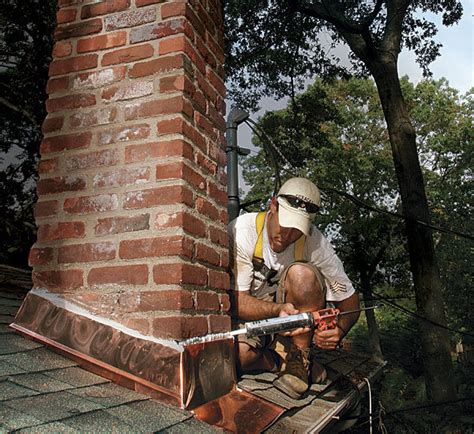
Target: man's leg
{"type": "Point", "coordinates": [302, 285]}
{"type": "Point", "coordinates": [252, 359]}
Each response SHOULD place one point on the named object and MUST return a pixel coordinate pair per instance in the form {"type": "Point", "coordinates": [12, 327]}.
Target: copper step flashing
{"type": "Point", "coordinates": [185, 376]}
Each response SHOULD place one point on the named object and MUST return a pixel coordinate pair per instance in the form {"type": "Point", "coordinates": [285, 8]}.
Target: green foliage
{"type": "Point", "coordinates": [272, 50]}
{"type": "Point", "coordinates": [25, 49]}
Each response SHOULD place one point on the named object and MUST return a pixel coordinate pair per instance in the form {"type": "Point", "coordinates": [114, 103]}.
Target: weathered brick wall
{"type": "Point", "coordinates": [131, 206]}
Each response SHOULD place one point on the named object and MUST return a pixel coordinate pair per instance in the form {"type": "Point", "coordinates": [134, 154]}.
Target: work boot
{"type": "Point", "coordinates": [293, 380]}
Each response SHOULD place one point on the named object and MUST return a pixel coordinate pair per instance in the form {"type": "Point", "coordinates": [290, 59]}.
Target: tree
{"type": "Point", "coordinates": [270, 41]}
{"type": "Point", "coordinates": [26, 29]}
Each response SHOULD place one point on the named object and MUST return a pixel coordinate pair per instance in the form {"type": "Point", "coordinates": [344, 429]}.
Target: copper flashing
{"type": "Point", "coordinates": [239, 412]}
{"type": "Point", "coordinates": [184, 376]}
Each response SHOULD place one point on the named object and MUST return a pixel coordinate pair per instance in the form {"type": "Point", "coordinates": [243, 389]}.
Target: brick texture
{"type": "Point", "coordinates": [131, 210]}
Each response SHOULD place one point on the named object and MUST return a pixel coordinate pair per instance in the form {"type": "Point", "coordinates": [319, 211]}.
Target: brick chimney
{"type": "Point", "coordinates": [131, 214]}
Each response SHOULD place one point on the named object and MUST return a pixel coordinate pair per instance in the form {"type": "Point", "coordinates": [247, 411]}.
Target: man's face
{"type": "Point", "coordinates": [278, 236]}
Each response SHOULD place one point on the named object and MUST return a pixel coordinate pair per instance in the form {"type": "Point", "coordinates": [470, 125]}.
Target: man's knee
{"type": "Point", "coordinates": [302, 283]}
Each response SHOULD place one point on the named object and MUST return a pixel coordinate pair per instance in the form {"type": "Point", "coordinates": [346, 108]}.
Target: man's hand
{"type": "Point", "coordinates": [288, 309]}
{"type": "Point", "coordinates": [328, 339]}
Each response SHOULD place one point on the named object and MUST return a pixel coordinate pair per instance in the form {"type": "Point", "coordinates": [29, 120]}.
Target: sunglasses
{"type": "Point", "coordinates": [296, 202]}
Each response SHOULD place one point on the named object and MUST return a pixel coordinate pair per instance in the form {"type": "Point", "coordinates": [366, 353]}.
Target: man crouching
{"type": "Point", "coordinates": [283, 265]}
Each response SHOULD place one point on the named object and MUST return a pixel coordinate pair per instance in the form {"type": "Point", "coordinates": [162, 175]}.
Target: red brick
{"type": "Point", "coordinates": [109, 157]}
{"type": "Point", "coordinates": [206, 54]}
{"type": "Point", "coordinates": [205, 163]}
{"type": "Point", "coordinates": [101, 42]}
{"type": "Point", "coordinates": [78, 29]}
{"type": "Point", "coordinates": [181, 44]}
{"type": "Point", "coordinates": [121, 274]}
{"type": "Point", "coordinates": [179, 170]}
{"type": "Point", "coordinates": [62, 49]}
{"type": "Point", "coordinates": [91, 204]}
{"type": "Point", "coordinates": [216, 48]}
{"type": "Point", "coordinates": [204, 123]}
{"type": "Point", "coordinates": [61, 231]}
{"type": "Point", "coordinates": [57, 84]}
{"type": "Point", "coordinates": [90, 252]}
{"type": "Point", "coordinates": [46, 208]}
{"type": "Point", "coordinates": [69, 102]}
{"type": "Point", "coordinates": [145, 301]}
{"type": "Point", "coordinates": [207, 300]}
{"type": "Point", "coordinates": [174, 9]}
{"type": "Point", "coordinates": [176, 245]}
{"type": "Point", "coordinates": [173, 194]}
{"type": "Point", "coordinates": [183, 220]}
{"type": "Point", "coordinates": [181, 273]}
{"type": "Point", "coordinates": [40, 256]}
{"type": "Point", "coordinates": [158, 65]}
{"type": "Point", "coordinates": [48, 166]}
{"type": "Point", "coordinates": [72, 64]}
{"type": "Point", "coordinates": [207, 254]}
{"type": "Point", "coordinates": [142, 325]}
{"type": "Point", "coordinates": [65, 3]}
{"type": "Point", "coordinates": [176, 104]}
{"type": "Point", "coordinates": [224, 301]}
{"type": "Point", "coordinates": [218, 236]}
{"type": "Point", "coordinates": [145, 152]}
{"type": "Point", "coordinates": [207, 208]}
{"type": "Point", "coordinates": [134, 89]}
{"type": "Point", "coordinates": [138, 175]}
{"type": "Point", "coordinates": [127, 55]}
{"type": "Point", "coordinates": [65, 142]}
{"type": "Point", "coordinates": [118, 225]}
{"type": "Point", "coordinates": [179, 327]}
{"type": "Point", "coordinates": [60, 184]}
{"type": "Point", "coordinates": [219, 323]}
{"type": "Point", "coordinates": [105, 7]}
{"type": "Point", "coordinates": [219, 280]}
{"type": "Point", "coordinates": [180, 126]}
{"type": "Point", "coordinates": [61, 280]}
{"type": "Point", "coordinates": [66, 16]}
{"type": "Point", "coordinates": [157, 31]}
{"type": "Point", "coordinates": [216, 117]}
{"type": "Point", "coordinates": [224, 259]}
{"type": "Point", "coordinates": [52, 124]}
{"type": "Point", "coordinates": [129, 19]}
{"type": "Point", "coordinates": [177, 83]}
{"type": "Point", "coordinates": [220, 196]}
{"type": "Point", "coordinates": [95, 117]}
{"type": "Point", "coordinates": [99, 78]}
{"type": "Point", "coordinates": [124, 134]}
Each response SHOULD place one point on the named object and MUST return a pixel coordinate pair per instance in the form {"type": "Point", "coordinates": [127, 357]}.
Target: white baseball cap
{"type": "Point", "coordinates": [299, 201]}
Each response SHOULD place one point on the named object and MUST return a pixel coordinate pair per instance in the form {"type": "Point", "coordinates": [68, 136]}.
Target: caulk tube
{"type": "Point", "coordinates": [278, 324]}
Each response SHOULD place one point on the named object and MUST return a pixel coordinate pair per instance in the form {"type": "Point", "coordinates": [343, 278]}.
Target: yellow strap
{"type": "Point", "coordinates": [260, 221]}
{"type": "Point", "coordinates": [258, 251]}
{"type": "Point", "coordinates": [299, 248]}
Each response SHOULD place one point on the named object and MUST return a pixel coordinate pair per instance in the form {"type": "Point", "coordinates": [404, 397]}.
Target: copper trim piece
{"type": "Point", "coordinates": [239, 412]}
{"type": "Point", "coordinates": [185, 376]}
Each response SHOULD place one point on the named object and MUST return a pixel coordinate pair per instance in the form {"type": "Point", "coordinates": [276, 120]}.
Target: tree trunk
{"type": "Point", "coordinates": [373, 330]}
{"type": "Point", "coordinates": [435, 340]}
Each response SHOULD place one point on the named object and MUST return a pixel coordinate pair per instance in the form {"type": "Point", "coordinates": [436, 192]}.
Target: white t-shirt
{"type": "Point", "coordinates": [317, 250]}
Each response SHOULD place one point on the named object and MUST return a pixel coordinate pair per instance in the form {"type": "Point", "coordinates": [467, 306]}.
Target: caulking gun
{"type": "Point", "coordinates": [322, 319]}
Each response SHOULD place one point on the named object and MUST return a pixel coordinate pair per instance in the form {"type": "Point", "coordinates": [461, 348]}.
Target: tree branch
{"type": "Point", "coordinates": [396, 12]}
{"type": "Point", "coordinates": [13, 107]}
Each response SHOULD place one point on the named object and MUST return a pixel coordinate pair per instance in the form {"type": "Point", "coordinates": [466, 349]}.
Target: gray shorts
{"type": "Point", "coordinates": [278, 296]}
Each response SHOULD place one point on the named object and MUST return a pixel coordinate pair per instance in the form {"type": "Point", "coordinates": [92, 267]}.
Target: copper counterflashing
{"type": "Point", "coordinates": [185, 376]}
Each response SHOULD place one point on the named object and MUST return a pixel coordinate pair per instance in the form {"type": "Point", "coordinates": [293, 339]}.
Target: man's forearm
{"type": "Point", "coordinates": [346, 322]}
{"type": "Point", "coordinates": [249, 308]}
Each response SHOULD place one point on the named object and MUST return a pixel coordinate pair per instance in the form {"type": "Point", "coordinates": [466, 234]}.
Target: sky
{"type": "Point", "coordinates": [455, 63]}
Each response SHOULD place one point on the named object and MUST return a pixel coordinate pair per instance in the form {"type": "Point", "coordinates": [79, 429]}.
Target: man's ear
{"type": "Point", "coordinates": [273, 204]}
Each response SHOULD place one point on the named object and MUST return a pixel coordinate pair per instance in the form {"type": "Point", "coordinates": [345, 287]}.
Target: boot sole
{"type": "Point", "coordinates": [281, 386]}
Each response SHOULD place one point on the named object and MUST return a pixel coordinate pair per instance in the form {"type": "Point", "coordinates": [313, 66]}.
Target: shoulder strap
{"type": "Point", "coordinates": [299, 248]}
{"type": "Point", "coordinates": [260, 221]}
